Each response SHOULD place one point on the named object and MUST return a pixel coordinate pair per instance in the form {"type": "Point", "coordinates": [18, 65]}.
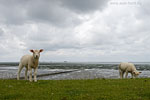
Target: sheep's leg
{"type": "Point", "coordinates": [19, 70]}
{"type": "Point", "coordinates": [30, 74]}
{"type": "Point", "coordinates": [120, 73]}
{"type": "Point", "coordinates": [26, 73]}
{"type": "Point", "coordinates": [35, 74]}
{"type": "Point", "coordinates": [131, 75]}
{"type": "Point", "coordinates": [126, 74]}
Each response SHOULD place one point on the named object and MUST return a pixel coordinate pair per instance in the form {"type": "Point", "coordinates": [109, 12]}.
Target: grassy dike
{"type": "Point", "coordinates": [96, 89]}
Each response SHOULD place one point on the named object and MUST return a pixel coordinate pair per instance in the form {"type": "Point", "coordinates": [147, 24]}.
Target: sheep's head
{"type": "Point", "coordinates": [36, 53]}
{"type": "Point", "coordinates": [136, 74]}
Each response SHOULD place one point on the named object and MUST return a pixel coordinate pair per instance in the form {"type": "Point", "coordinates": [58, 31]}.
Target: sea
{"type": "Point", "coordinates": [73, 70]}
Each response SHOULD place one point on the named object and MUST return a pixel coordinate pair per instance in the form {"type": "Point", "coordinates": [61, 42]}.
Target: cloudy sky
{"type": "Point", "coordinates": [76, 30]}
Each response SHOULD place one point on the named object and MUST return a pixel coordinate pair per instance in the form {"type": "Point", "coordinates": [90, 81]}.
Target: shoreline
{"type": "Point", "coordinates": [61, 74]}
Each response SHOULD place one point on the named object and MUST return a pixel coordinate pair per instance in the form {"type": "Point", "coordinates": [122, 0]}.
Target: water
{"type": "Point", "coordinates": [78, 70]}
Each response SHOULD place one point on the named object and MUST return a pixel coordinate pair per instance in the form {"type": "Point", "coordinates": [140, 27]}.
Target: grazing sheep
{"type": "Point", "coordinates": [30, 61]}
{"type": "Point", "coordinates": [128, 68]}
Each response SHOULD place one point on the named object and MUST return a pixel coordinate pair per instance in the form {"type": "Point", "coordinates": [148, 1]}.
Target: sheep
{"type": "Point", "coordinates": [30, 61]}
{"type": "Point", "coordinates": [128, 68]}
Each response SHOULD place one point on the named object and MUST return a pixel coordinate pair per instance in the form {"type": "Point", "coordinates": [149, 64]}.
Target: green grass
{"type": "Point", "coordinates": [96, 89]}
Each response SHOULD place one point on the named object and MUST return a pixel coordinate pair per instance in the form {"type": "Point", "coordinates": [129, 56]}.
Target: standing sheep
{"type": "Point", "coordinates": [128, 68]}
{"type": "Point", "coordinates": [30, 61]}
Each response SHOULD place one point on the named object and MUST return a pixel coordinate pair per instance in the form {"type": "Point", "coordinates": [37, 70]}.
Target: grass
{"type": "Point", "coordinates": [96, 89]}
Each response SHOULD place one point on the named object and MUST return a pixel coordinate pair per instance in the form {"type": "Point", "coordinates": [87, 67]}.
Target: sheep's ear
{"type": "Point", "coordinates": [133, 72]}
{"type": "Point", "coordinates": [41, 50]}
{"type": "Point", "coordinates": [31, 50]}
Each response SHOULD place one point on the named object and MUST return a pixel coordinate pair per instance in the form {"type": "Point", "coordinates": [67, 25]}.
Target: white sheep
{"type": "Point", "coordinates": [128, 68]}
{"type": "Point", "coordinates": [30, 61]}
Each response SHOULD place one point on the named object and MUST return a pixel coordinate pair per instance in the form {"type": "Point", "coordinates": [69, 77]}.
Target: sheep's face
{"type": "Point", "coordinates": [36, 53]}
{"type": "Point", "coordinates": [136, 74]}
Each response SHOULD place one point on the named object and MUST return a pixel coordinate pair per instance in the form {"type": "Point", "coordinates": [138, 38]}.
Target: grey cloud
{"type": "Point", "coordinates": [143, 15]}
{"type": "Point", "coordinates": [56, 12]}
{"type": "Point", "coordinates": [53, 42]}
{"type": "Point", "coordinates": [51, 47]}
{"type": "Point", "coordinates": [12, 12]}
{"type": "Point", "coordinates": [50, 12]}
{"type": "Point", "coordinates": [1, 32]}
{"type": "Point", "coordinates": [33, 11]}
{"type": "Point", "coordinates": [129, 35]}
{"type": "Point", "coordinates": [116, 33]}
{"type": "Point", "coordinates": [84, 6]}
{"type": "Point", "coordinates": [145, 8]}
